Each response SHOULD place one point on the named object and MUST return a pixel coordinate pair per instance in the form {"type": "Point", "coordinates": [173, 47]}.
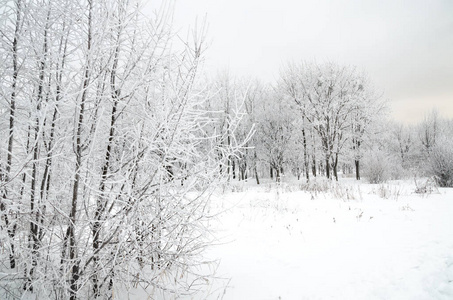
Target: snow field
{"type": "Point", "coordinates": [353, 242]}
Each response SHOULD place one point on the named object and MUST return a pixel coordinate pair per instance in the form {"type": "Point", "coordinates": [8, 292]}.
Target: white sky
{"type": "Point", "coordinates": [406, 46]}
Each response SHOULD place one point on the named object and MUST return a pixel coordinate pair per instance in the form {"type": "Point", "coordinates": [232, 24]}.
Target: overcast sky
{"type": "Point", "coordinates": [406, 46]}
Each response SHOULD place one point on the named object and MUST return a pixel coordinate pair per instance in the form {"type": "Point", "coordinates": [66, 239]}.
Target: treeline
{"type": "Point", "coordinates": [323, 119]}
{"type": "Point", "coordinates": [414, 151]}
{"type": "Point", "coordinates": [316, 120]}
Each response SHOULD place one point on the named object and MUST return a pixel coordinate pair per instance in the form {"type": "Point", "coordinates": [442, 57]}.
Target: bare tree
{"type": "Point", "coordinates": [106, 121]}
{"type": "Point", "coordinates": [333, 99]}
{"type": "Point", "coordinates": [292, 88]}
{"type": "Point", "coordinates": [12, 15]}
{"type": "Point", "coordinates": [429, 131]}
{"type": "Point", "coordinates": [274, 129]}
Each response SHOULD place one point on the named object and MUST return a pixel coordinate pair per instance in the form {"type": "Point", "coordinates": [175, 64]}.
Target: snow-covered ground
{"type": "Point", "coordinates": [358, 241]}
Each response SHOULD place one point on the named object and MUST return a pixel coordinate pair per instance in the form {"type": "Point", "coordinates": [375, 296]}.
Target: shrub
{"type": "Point", "coordinates": [317, 186]}
{"type": "Point", "coordinates": [441, 163]}
{"type": "Point", "coordinates": [376, 166]}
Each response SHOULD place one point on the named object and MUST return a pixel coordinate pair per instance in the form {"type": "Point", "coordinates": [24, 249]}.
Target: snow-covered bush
{"type": "Point", "coordinates": [317, 186]}
{"type": "Point", "coordinates": [425, 187]}
{"type": "Point", "coordinates": [441, 163]}
{"type": "Point", "coordinates": [397, 170]}
{"type": "Point", "coordinates": [346, 193]}
{"type": "Point", "coordinates": [376, 166]}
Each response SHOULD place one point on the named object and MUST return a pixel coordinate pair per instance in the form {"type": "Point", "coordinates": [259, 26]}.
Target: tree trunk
{"type": "Point", "coordinates": [233, 165]}
{"type": "Point", "coordinates": [335, 167]}
{"type": "Point", "coordinates": [34, 210]}
{"type": "Point", "coordinates": [313, 166]}
{"type": "Point", "coordinates": [256, 176]}
{"type": "Point", "coordinates": [327, 154]}
{"type": "Point", "coordinates": [306, 163]}
{"type": "Point", "coordinates": [73, 251]}
{"type": "Point", "coordinates": [357, 169]}
{"type": "Point", "coordinates": [102, 200]}
{"type": "Point", "coordinates": [35, 202]}
{"type": "Point", "coordinates": [255, 169]}
{"type": "Point", "coordinates": [313, 156]}
{"type": "Point", "coordinates": [74, 280]}
{"type": "Point", "coordinates": [12, 110]}
{"type": "Point", "coordinates": [327, 167]}
{"type": "Point", "coordinates": [229, 168]}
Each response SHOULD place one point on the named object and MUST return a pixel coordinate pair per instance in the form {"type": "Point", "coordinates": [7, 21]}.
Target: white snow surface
{"type": "Point", "coordinates": [358, 241]}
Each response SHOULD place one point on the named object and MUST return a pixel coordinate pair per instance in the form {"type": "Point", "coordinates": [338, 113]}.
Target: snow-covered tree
{"type": "Point", "coordinates": [429, 131]}
{"type": "Point", "coordinates": [109, 159]}
{"type": "Point", "coordinates": [337, 102]}
{"type": "Point", "coordinates": [275, 127]}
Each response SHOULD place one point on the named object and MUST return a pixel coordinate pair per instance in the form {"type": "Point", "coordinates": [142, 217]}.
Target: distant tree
{"type": "Point", "coordinates": [441, 162]}
{"type": "Point", "coordinates": [232, 103]}
{"type": "Point", "coordinates": [368, 111]}
{"type": "Point", "coordinates": [291, 87]}
{"type": "Point", "coordinates": [255, 93]}
{"type": "Point", "coordinates": [436, 135]}
{"type": "Point", "coordinates": [274, 129]}
{"type": "Point", "coordinates": [299, 156]}
{"type": "Point", "coordinates": [337, 102]}
{"type": "Point", "coordinates": [429, 131]}
{"type": "Point", "coordinates": [405, 144]}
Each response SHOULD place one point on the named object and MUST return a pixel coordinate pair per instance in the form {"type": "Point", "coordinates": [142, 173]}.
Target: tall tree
{"type": "Point", "coordinates": [328, 96]}
{"type": "Point", "coordinates": [10, 43]}
{"type": "Point", "coordinates": [105, 120]}
{"type": "Point", "coordinates": [274, 129]}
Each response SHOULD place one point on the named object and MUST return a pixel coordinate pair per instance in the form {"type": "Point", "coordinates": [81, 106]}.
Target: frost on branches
{"type": "Point", "coordinates": [108, 161]}
{"type": "Point", "coordinates": [338, 104]}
